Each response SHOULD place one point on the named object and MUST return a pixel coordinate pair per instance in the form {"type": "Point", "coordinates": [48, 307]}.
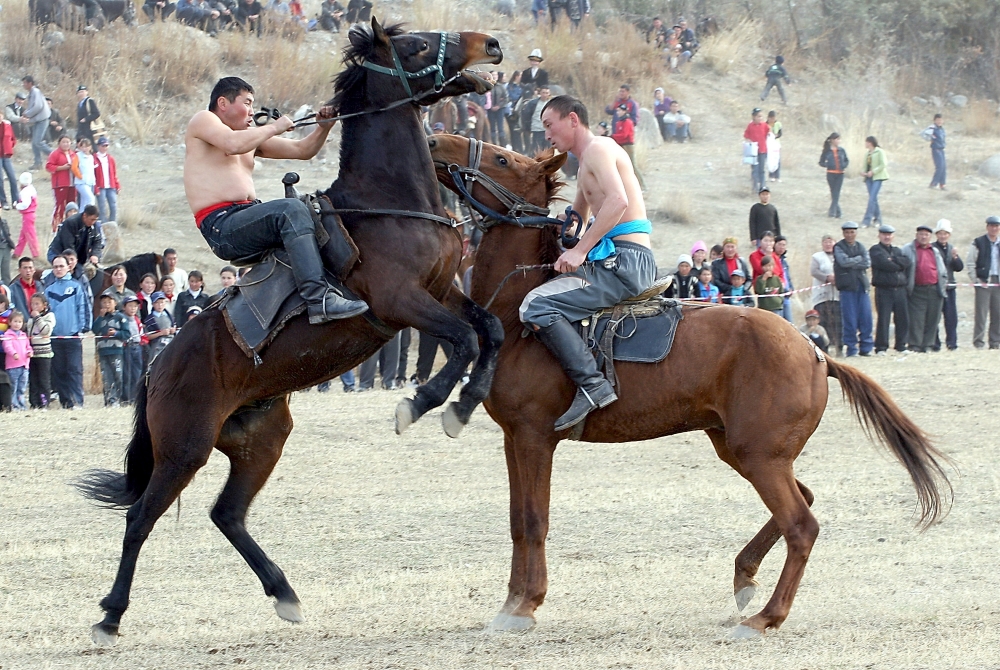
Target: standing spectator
{"type": "Point", "coordinates": [7, 141]}
{"type": "Point", "coordinates": [684, 285]}
{"type": "Point", "coordinates": [6, 387]}
{"type": "Point", "coordinates": [170, 268]}
{"type": "Point", "coordinates": [386, 360]}
{"type": "Point", "coordinates": [538, 9]}
{"type": "Point", "coordinates": [763, 217]}
{"type": "Point", "coordinates": [17, 348]}
{"type": "Point", "coordinates": [756, 134]}
{"type": "Point", "coordinates": [826, 298]}
{"type": "Point", "coordinates": [426, 353]}
{"type": "Point", "coordinates": [890, 277]}
{"type": "Point", "coordinates": [27, 204]}
{"type": "Point", "coordinates": [227, 277]}
{"type": "Point", "coordinates": [24, 286]}
{"type": "Point", "coordinates": [194, 296]}
{"type": "Point", "coordinates": [765, 250]}
{"type": "Point", "coordinates": [738, 293]}
{"type": "Point", "coordinates": [167, 288]}
{"type": "Point", "coordinates": [677, 123]}
{"type": "Point", "coordinates": [118, 291]}
{"type": "Point", "coordinates": [133, 351]}
{"type": "Point", "coordinates": [248, 16]}
{"type": "Point", "coordinates": [699, 258]}
{"type": "Point", "coordinates": [984, 270]}
{"type": "Point", "coordinates": [40, 327]}
{"type": "Point", "coordinates": [6, 246]}
{"type": "Point", "coordinates": [81, 234]}
{"type": "Point", "coordinates": [359, 11]}
{"type": "Point", "coordinates": [937, 140]}
{"type": "Point", "coordinates": [834, 159]}
{"type": "Point", "coordinates": [64, 167]}
{"type": "Point", "coordinates": [162, 7]}
{"type": "Point", "coordinates": [531, 118]}
{"type": "Point", "coordinates": [774, 75]}
{"type": "Point", "coordinates": [705, 290]}
{"type": "Point", "coordinates": [87, 180]}
{"type": "Point", "coordinates": [87, 114]}
{"type": "Point", "coordinates": [497, 113]}
{"type": "Point", "coordinates": [723, 268]}
{"type": "Point", "coordinates": [111, 329]}
{"type": "Point", "coordinates": [14, 112]}
{"type": "Point", "coordinates": [106, 186]}
{"type": "Point", "coordinates": [815, 332]}
{"type": "Point", "coordinates": [534, 76]}
{"type": "Point", "coordinates": [875, 174]}
{"type": "Point", "coordinates": [159, 326]}
{"type": "Point", "coordinates": [71, 309]}
{"type": "Point", "coordinates": [774, 146]}
{"type": "Point", "coordinates": [330, 13]}
{"type": "Point", "coordinates": [661, 105]}
{"type": "Point", "coordinates": [954, 264]}
{"type": "Point", "coordinates": [56, 127]}
{"type": "Point", "coordinates": [926, 276]}
{"type": "Point", "coordinates": [79, 274]}
{"type": "Point", "coordinates": [36, 115]}
{"type": "Point", "coordinates": [781, 254]}
{"type": "Point", "coordinates": [147, 287]}
{"type": "Point", "coordinates": [850, 268]}
{"type": "Point", "coordinates": [624, 134]}
{"type": "Point", "coordinates": [624, 97]}
{"type": "Point", "coordinates": [767, 286]}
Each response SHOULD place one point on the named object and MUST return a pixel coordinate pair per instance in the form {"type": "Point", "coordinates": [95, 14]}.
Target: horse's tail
{"type": "Point", "coordinates": [885, 423]}
{"type": "Point", "coordinates": [119, 490]}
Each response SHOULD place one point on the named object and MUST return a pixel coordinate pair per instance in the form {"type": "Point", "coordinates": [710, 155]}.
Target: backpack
{"type": "Point", "coordinates": [927, 134]}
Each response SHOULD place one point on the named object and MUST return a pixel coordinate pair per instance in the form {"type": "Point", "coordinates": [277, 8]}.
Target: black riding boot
{"type": "Point", "coordinates": [325, 302]}
{"type": "Point", "coordinates": [593, 390]}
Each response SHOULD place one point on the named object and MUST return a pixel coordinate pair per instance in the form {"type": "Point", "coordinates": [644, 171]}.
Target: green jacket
{"type": "Point", "coordinates": [765, 290]}
{"type": "Point", "coordinates": [877, 164]}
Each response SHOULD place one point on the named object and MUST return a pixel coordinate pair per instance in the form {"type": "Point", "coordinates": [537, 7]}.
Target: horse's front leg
{"type": "Point", "coordinates": [490, 332]}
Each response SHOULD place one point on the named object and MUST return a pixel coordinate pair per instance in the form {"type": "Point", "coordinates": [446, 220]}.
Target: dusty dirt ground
{"type": "Point", "coordinates": [398, 547]}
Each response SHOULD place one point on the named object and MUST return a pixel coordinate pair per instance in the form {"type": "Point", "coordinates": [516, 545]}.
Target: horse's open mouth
{"type": "Point", "coordinates": [481, 84]}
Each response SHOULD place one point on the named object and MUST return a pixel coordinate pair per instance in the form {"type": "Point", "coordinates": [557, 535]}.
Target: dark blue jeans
{"type": "Point", "coordinates": [132, 371]}
{"type": "Point", "coordinates": [67, 371]}
{"type": "Point", "coordinates": [856, 311]}
{"type": "Point", "coordinates": [873, 211]}
{"type": "Point", "coordinates": [940, 168]}
{"type": "Point", "coordinates": [950, 310]}
{"type": "Point", "coordinates": [244, 230]}
{"type": "Point", "coordinates": [8, 170]}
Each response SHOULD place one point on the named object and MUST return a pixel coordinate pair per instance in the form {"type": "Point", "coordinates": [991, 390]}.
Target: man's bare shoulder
{"type": "Point", "coordinates": [201, 122]}
{"type": "Point", "coordinates": [602, 147]}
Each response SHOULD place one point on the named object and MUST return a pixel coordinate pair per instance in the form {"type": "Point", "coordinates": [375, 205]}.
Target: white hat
{"type": "Point", "coordinates": [535, 53]}
{"type": "Point", "coordinates": [685, 258]}
{"type": "Point", "coordinates": [24, 179]}
{"type": "Point", "coordinates": [943, 224]}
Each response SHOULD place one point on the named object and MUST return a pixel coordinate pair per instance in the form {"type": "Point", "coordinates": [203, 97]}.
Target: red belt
{"type": "Point", "coordinates": [202, 214]}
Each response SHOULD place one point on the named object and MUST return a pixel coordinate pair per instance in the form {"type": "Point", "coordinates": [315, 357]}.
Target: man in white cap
{"type": "Point", "coordinates": [534, 76]}
{"type": "Point", "coordinates": [926, 279]}
{"type": "Point", "coordinates": [954, 263]}
{"type": "Point", "coordinates": [984, 269]}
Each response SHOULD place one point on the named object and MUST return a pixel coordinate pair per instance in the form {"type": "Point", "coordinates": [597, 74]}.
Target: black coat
{"type": "Point", "coordinates": [762, 219]}
{"type": "Point", "coordinates": [73, 234]}
{"type": "Point", "coordinates": [720, 273]}
{"type": "Point", "coordinates": [889, 266]}
{"type": "Point", "coordinates": [953, 264]}
{"type": "Point", "coordinates": [539, 80]}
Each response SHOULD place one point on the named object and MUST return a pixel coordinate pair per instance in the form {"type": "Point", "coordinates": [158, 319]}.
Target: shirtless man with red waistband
{"type": "Point", "coordinates": [218, 180]}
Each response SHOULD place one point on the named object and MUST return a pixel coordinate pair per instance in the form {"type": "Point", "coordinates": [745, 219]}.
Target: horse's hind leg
{"type": "Point", "coordinates": [253, 440]}
{"type": "Point", "coordinates": [490, 332]}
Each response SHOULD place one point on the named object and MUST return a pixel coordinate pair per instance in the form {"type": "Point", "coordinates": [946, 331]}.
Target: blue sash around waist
{"type": "Point", "coordinates": [606, 247]}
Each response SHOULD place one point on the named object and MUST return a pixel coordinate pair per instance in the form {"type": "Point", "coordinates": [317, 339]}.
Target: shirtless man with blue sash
{"type": "Point", "coordinates": [611, 263]}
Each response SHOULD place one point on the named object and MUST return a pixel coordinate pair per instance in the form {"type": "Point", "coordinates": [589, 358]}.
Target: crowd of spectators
{"type": "Point", "coordinates": [250, 16]}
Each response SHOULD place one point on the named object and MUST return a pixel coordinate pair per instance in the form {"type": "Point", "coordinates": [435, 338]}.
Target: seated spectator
{"type": "Point", "coordinates": [707, 291]}
{"type": "Point", "coordinates": [330, 14]}
{"type": "Point", "coordinates": [737, 293]}
{"type": "Point", "coordinates": [814, 331]}
{"type": "Point", "coordinates": [661, 105]}
{"type": "Point", "coordinates": [198, 14]}
{"type": "Point", "coordinates": [227, 13]}
{"type": "Point", "coordinates": [723, 268]}
{"type": "Point", "coordinates": [677, 123]}
{"type": "Point", "coordinates": [159, 325]}
{"type": "Point", "coordinates": [194, 296]}
{"type": "Point", "coordinates": [657, 34]}
{"type": "Point", "coordinates": [162, 7]}
{"type": "Point", "coordinates": [40, 327]}
{"type": "Point", "coordinates": [111, 330]}
{"type": "Point", "coordinates": [768, 287]}
{"type": "Point", "coordinates": [248, 16]}
{"type": "Point", "coordinates": [685, 284]}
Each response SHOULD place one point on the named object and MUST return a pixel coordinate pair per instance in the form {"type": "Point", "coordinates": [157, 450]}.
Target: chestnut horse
{"type": "Point", "coordinates": [719, 352]}
{"type": "Point", "coordinates": [202, 392]}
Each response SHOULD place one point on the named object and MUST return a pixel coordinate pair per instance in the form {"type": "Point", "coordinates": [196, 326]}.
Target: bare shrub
{"type": "Point", "coordinates": [980, 118]}
{"type": "Point", "coordinates": [728, 50]}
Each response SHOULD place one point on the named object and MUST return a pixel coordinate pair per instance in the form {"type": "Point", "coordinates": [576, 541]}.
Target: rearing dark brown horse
{"type": "Point", "coordinates": [759, 433]}
{"type": "Point", "coordinates": [202, 392]}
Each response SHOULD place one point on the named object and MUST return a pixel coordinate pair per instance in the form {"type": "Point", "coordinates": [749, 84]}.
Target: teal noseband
{"type": "Point", "coordinates": [404, 76]}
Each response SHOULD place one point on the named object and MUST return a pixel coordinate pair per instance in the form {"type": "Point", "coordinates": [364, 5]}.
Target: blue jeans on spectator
{"type": "Point", "coordinates": [38, 143]}
{"type": "Point", "coordinates": [111, 377]}
{"type": "Point", "coordinates": [19, 386]}
{"type": "Point", "coordinates": [950, 310]}
{"type": "Point", "coordinates": [678, 134]}
{"type": "Point", "coordinates": [873, 211]}
{"type": "Point", "coordinates": [347, 379]}
{"type": "Point", "coordinates": [758, 172]}
{"type": "Point", "coordinates": [786, 310]}
{"type": "Point", "coordinates": [856, 312]}
{"type": "Point", "coordinates": [67, 371]}
{"type": "Point", "coordinates": [8, 169]}
{"type": "Point", "coordinates": [131, 371]}
{"type": "Point", "coordinates": [940, 168]}
{"type": "Point", "coordinates": [84, 195]}
{"type": "Point", "coordinates": [107, 204]}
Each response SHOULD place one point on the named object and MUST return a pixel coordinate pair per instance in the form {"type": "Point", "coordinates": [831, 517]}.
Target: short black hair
{"type": "Point", "coordinates": [28, 78]}
{"type": "Point", "coordinates": [168, 251]}
{"type": "Point", "coordinates": [626, 87]}
{"type": "Point", "coordinates": [67, 253]}
{"type": "Point", "coordinates": [564, 104]}
{"type": "Point", "coordinates": [766, 260]}
{"type": "Point", "coordinates": [938, 116]}
{"type": "Point", "coordinates": [91, 210]}
{"type": "Point", "coordinates": [228, 88]}
{"type": "Point", "coordinates": [196, 274]}
{"type": "Point", "coordinates": [780, 238]}
{"type": "Point", "coordinates": [116, 268]}
{"type": "Point", "coordinates": [228, 268]}
{"type": "Point", "coordinates": [24, 259]}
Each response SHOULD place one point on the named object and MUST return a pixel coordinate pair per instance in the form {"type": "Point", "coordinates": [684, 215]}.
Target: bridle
{"type": "Point", "coordinates": [404, 76]}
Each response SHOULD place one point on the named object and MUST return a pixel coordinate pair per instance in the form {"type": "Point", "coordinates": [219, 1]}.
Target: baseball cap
{"type": "Point", "coordinates": [438, 126]}
{"type": "Point", "coordinates": [812, 312]}
{"type": "Point", "coordinates": [131, 298]}
{"type": "Point", "coordinates": [103, 141]}
{"type": "Point", "coordinates": [738, 273]}
{"type": "Point", "coordinates": [157, 295]}
{"type": "Point", "coordinates": [81, 87]}
{"type": "Point", "coordinates": [762, 189]}
{"type": "Point", "coordinates": [849, 225]}
{"type": "Point", "coordinates": [886, 228]}
{"type": "Point", "coordinates": [943, 224]}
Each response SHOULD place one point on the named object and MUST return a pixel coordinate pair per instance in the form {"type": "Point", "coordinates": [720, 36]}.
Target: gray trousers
{"type": "Point", "coordinates": [987, 304]}
{"type": "Point", "coordinates": [387, 360]}
{"type": "Point", "coordinates": [925, 314]}
{"type": "Point", "coordinates": [594, 286]}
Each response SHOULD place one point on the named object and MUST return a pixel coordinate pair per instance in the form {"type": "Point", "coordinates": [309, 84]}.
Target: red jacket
{"type": "Point", "coordinates": [7, 139]}
{"type": "Point", "coordinates": [62, 177]}
{"type": "Point", "coordinates": [112, 172]}
{"type": "Point", "coordinates": [757, 132]}
{"type": "Point", "coordinates": [624, 131]}
{"type": "Point", "coordinates": [776, 267]}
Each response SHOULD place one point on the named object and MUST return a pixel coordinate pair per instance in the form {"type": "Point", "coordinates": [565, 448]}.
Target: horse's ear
{"type": "Point", "coordinates": [378, 32]}
{"type": "Point", "coordinates": [549, 165]}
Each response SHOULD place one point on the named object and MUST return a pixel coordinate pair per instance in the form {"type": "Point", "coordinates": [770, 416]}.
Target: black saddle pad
{"type": "Point", "coordinates": [640, 332]}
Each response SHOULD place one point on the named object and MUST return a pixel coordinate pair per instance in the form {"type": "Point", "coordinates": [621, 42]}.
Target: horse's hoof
{"type": "Point", "coordinates": [452, 424]}
{"type": "Point", "coordinates": [511, 622]}
{"type": "Point", "coordinates": [404, 415]}
{"type": "Point", "coordinates": [104, 636]}
{"type": "Point", "coordinates": [742, 632]}
{"type": "Point", "coordinates": [289, 611]}
{"type": "Point", "coordinates": [744, 596]}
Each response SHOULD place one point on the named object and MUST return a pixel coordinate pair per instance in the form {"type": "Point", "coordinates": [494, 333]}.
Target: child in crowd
{"type": "Point", "coordinates": [814, 331]}
{"type": "Point", "coordinates": [707, 291]}
{"type": "Point", "coordinates": [26, 205]}
{"type": "Point", "coordinates": [767, 286]}
{"type": "Point", "coordinates": [699, 258]}
{"type": "Point", "coordinates": [684, 286]}
{"type": "Point", "coordinates": [159, 325]}
{"type": "Point", "coordinates": [17, 347]}
{"type": "Point", "coordinates": [167, 287]}
{"type": "Point", "coordinates": [133, 353]}
{"type": "Point", "coordinates": [194, 296]}
{"type": "Point", "coordinates": [88, 179]}
{"type": "Point", "coordinates": [738, 293]}
{"type": "Point", "coordinates": [715, 253]}
{"type": "Point", "coordinates": [6, 387]}
{"type": "Point", "coordinates": [39, 330]}
{"type": "Point", "coordinates": [147, 287]}
{"type": "Point", "coordinates": [111, 329]}
{"type": "Point", "coordinates": [227, 276]}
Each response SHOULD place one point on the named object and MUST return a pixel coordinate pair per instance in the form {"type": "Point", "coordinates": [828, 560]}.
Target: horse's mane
{"type": "Point", "coordinates": [347, 84]}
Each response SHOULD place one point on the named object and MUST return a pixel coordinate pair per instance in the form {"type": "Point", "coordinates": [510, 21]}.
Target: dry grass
{"type": "Point", "coordinates": [980, 117]}
{"type": "Point", "coordinates": [729, 50]}
{"type": "Point", "coordinates": [132, 215]}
